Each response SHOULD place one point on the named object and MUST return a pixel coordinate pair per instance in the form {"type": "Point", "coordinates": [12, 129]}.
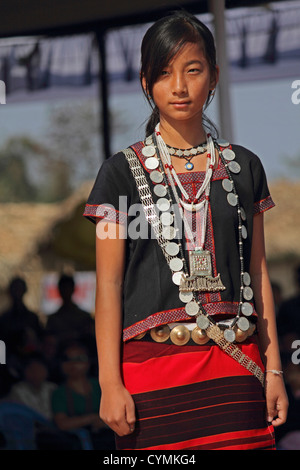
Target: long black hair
{"type": "Point", "coordinates": [162, 42]}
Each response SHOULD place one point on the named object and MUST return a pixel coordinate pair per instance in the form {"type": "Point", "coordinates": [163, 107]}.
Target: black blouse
{"type": "Point", "coordinates": [150, 298]}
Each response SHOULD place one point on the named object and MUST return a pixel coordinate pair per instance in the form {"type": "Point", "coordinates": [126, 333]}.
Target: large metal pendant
{"type": "Point", "coordinates": [200, 278]}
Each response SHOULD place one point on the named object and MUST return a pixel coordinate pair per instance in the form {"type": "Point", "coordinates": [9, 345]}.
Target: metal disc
{"type": "Point", "coordinates": [246, 279]}
{"type": "Point", "coordinates": [234, 167]}
{"type": "Point", "coordinates": [160, 190]}
{"type": "Point", "coordinates": [223, 142]}
{"type": "Point", "coordinates": [176, 264]}
{"type": "Point", "coordinates": [247, 309]}
{"type": "Point", "coordinates": [202, 322]}
{"type": "Point", "coordinates": [166, 218]}
{"type": "Point", "coordinates": [151, 163]}
{"type": "Point", "coordinates": [247, 293]}
{"type": "Point", "coordinates": [176, 278]}
{"type": "Point", "coordinates": [243, 324]}
{"type": "Point", "coordinates": [244, 232]}
{"type": "Point", "coordinates": [185, 297]}
{"type": "Point", "coordinates": [243, 213]}
{"type": "Point", "coordinates": [199, 336]}
{"type": "Point", "coordinates": [172, 249]}
{"type": "Point", "coordinates": [149, 141]}
{"type": "Point", "coordinates": [160, 334]}
{"type": "Point", "coordinates": [229, 335]}
{"type": "Point", "coordinates": [169, 233]}
{"type": "Point", "coordinates": [163, 204]}
{"type": "Point", "coordinates": [148, 151]}
{"type": "Point", "coordinates": [156, 176]}
{"type": "Point", "coordinates": [228, 154]}
{"type": "Point", "coordinates": [192, 308]}
{"type": "Point", "coordinates": [227, 185]}
{"type": "Point", "coordinates": [180, 335]}
{"type": "Point", "coordinates": [232, 199]}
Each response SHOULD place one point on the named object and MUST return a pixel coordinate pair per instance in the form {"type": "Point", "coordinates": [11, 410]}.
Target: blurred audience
{"type": "Point", "coordinates": [76, 403]}
{"type": "Point", "coordinates": [34, 390]}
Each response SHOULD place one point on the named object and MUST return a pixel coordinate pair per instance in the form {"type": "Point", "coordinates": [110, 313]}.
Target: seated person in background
{"type": "Point", "coordinates": [69, 321]}
{"type": "Point", "coordinates": [34, 390]}
{"type": "Point", "coordinates": [75, 404]}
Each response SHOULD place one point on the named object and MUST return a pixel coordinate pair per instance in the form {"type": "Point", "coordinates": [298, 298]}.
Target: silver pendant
{"type": "Point", "coordinates": [160, 190]}
{"type": "Point", "coordinates": [244, 232]}
{"type": "Point", "coordinates": [243, 214]}
{"type": "Point", "coordinates": [151, 163]}
{"type": "Point", "coordinates": [243, 324]}
{"type": "Point", "coordinates": [186, 297]}
{"type": "Point", "coordinates": [148, 151]}
{"type": "Point", "coordinates": [176, 264]}
{"type": "Point", "coordinates": [169, 233]}
{"type": "Point", "coordinates": [192, 308]}
{"type": "Point", "coordinates": [227, 185]}
{"type": "Point", "coordinates": [176, 278]}
{"type": "Point", "coordinates": [228, 154]}
{"type": "Point", "coordinates": [163, 204]}
{"type": "Point", "coordinates": [223, 142]}
{"type": "Point", "coordinates": [202, 322]}
{"type": "Point", "coordinates": [234, 167]}
{"type": "Point", "coordinates": [232, 199]}
{"type": "Point", "coordinates": [247, 293]}
{"type": "Point", "coordinates": [166, 218]}
{"type": "Point", "coordinates": [156, 176]}
{"type": "Point", "coordinates": [229, 335]}
{"type": "Point", "coordinates": [200, 263]}
{"type": "Point", "coordinates": [246, 279]}
{"type": "Point", "coordinates": [247, 309]}
{"type": "Point", "coordinates": [172, 248]}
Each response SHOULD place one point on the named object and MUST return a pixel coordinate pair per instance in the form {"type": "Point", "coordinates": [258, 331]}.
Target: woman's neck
{"type": "Point", "coordinates": [182, 134]}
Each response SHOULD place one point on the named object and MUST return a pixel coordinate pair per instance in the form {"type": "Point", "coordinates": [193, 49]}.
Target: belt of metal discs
{"type": "Point", "coordinates": [183, 333]}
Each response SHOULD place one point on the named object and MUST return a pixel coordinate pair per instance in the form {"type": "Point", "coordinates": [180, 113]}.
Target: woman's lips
{"type": "Point", "coordinates": [180, 104]}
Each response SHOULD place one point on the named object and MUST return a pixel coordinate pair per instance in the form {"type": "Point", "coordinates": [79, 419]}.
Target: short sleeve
{"type": "Point", "coordinates": [262, 197]}
{"type": "Point", "coordinates": [109, 197]}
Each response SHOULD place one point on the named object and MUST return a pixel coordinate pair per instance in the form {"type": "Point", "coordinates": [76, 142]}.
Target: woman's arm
{"type": "Point", "coordinates": [277, 402]}
{"type": "Point", "coordinates": [117, 407]}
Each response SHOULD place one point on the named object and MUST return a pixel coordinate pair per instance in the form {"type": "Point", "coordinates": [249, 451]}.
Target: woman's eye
{"type": "Point", "coordinates": [164, 72]}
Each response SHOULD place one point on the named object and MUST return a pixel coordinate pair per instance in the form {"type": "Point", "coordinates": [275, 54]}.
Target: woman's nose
{"type": "Point", "coordinates": [179, 84]}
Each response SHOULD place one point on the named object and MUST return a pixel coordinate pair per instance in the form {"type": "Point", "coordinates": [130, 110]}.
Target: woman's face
{"type": "Point", "coordinates": [184, 84]}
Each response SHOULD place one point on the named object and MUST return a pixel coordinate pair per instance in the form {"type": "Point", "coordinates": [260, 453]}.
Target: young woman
{"type": "Point", "coordinates": [185, 325]}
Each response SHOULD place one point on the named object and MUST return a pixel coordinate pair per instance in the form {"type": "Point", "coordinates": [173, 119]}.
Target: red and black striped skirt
{"type": "Point", "coordinates": [194, 398]}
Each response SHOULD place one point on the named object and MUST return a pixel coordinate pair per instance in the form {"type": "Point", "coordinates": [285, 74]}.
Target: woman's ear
{"type": "Point", "coordinates": [144, 85]}
{"type": "Point", "coordinates": [215, 78]}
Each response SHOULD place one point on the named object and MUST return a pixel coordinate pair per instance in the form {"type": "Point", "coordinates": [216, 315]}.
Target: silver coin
{"type": "Point", "coordinates": [234, 167]}
{"type": "Point", "coordinates": [228, 154]}
{"type": "Point", "coordinates": [149, 141]}
{"type": "Point", "coordinates": [247, 293]}
{"type": "Point", "coordinates": [148, 151]}
{"type": "Point", "coordinates": [202, 322]}
{"type": "Point", "coordinates": [185, 297]}
{"type": "Point", "coordinates": [243, 213]}
{"type": "Point", "coordinates": [176, 278]}
{"type": "Point", "coordinates": [232, 199]}
{"type": "Point", "coordinates": [156, 176]}
{"type": "Point", "coordinates": [169, 233]}
{"type": "Point", "coordinates": [172, 249]}
{"type": "Point", "coordinates": [176, 264]}
{"type": "Point", "coordinates": [192, 308]}
{"type": "Point", "coordinates": [160, 190]}
{"type": "Point", "coordinates": [247, 309]}
{"type": "Point", "coordinates": [163, 204]}
{"type": "Point", "coordinates": [243, 324]}
{"type": "Point", "coordinates": [246, 279]}
{"type": "Point", "coordinates": [227, 185]}
{"type": "Point", "coordinates": [166, 218]}
{"type": "Point", "coordinates": [151, 163]}
{"type": "Point", "coordinates": [229, 335]}
{"type": "Point", "coordinates": [244, 232]}
{"type": "Point", "coordinates": [223, 142]}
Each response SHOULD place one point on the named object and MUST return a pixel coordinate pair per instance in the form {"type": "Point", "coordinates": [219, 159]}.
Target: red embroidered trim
{"type": "Point", "coordinates": [263, 205]}
{"type": "Point", "coordinates": [101, 211]}
{"type": "Point", "coordinates": [178, 314]}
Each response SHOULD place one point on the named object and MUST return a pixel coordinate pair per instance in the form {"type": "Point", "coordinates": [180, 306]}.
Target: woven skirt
{"type": "Point", "coordinates": [194, 397]}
